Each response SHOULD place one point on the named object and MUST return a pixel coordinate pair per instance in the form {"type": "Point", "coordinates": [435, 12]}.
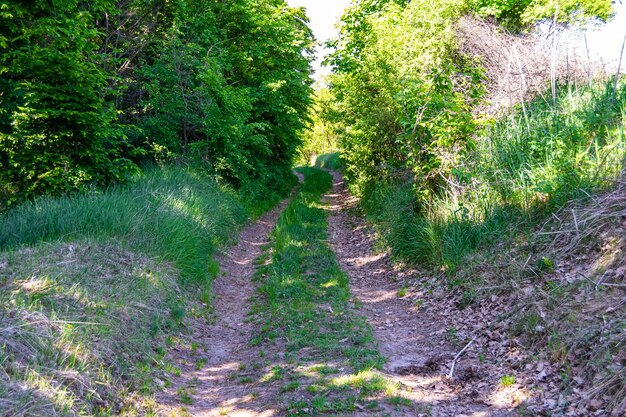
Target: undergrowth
{"type": "Point", "coordinates": [565, 289]}
{"type": "Point", "coordinates": [533, 215]}
{"type": "Point", "coordinates": [526, 165]}
{"type": "Point", "coordinates": [306, 309]}
{"type": "Point", "coordinates": [330, 161]}
{"type": "Point", "coordinates": [174, 213]}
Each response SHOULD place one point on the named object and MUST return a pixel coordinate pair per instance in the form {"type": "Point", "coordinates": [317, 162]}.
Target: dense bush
{"type": "Point", "coordinates": [439, 177]}
{"type": "Point", "coordinates": [57, 132]}
{"type": "Point", "coordinates": [89, 90]}
{"type": "Point", "coordinates": [403, 93]}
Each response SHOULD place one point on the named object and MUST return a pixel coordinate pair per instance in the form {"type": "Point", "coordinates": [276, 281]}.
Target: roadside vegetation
{"type": "Point", "coordinates": [136, 138]}
{"type": "Point", "coordinates": [486, 197]}
{"type": "Point", "coordinates": [526, 165]}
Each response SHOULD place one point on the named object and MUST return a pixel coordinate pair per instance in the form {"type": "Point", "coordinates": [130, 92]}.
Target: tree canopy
{"type": "Point", "coordinates": [90, 90]}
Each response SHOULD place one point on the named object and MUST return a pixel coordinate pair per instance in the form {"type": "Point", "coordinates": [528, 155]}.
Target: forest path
{"type": "Point", "coordinates": [415, 340]}
{"type": "Point", "coordinates": [219, 376]}
{"type": "Point", "coordinates": [209, 381]}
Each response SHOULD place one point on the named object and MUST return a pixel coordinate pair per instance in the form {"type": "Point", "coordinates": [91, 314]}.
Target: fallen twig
{"type": "Point", "coordinates": [458, 355]}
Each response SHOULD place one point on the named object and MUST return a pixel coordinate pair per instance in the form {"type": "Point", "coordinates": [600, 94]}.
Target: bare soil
{"type": "Point", "coordinates": [414, 328]}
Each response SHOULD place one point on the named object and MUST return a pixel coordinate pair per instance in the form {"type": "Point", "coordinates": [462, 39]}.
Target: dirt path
{"type": "Point", "coordinates": [210, 382]}
{"type": "Point", "coordinates": [417, 342]}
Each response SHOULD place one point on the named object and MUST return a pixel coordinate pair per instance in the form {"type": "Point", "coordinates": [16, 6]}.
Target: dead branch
{"type": "Point", "coordinates": [458, 355]}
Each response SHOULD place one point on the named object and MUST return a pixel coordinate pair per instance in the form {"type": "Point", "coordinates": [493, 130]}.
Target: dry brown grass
{"type": "Point", "coordinates": [76, 322]}
{"type": "Point", "coordinates": [565, 290]}
{"type": "Point", "coordinates": [518, 67]}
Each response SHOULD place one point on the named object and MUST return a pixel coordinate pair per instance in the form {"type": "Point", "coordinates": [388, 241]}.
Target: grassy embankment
{"type": "Point", "coordinates": [94, 288]}
{"type": "Point", "coordinates": [538, 207]}
{"type": "Point", "coordinates": [524, 169]}
{"type": "Point", "coordinates": [331, 161]}
{"type": "Point", "coordinates": [306, 310]}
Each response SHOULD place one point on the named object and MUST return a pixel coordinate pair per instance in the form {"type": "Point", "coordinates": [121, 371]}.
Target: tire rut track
{"type": "Point", "coordinates": [412, 339]}
{"type": "Point", "coordinates": [212, 389]}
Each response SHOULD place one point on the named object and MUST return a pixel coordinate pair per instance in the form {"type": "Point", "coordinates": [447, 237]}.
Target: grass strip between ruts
{"type": "Point", "coordinates": [306, 310]}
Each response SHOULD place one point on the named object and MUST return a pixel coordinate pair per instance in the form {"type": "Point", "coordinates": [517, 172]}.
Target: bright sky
{"type": "Point", "coordinates": [323, 15]}
{"type": "Point", "coordinates": [604, 42]}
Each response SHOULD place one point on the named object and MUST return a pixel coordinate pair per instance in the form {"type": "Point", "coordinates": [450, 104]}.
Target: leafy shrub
{"type": "Point", "coordinates": [404, 92]}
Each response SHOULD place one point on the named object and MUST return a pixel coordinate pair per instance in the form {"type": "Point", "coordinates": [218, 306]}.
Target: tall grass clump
{"type": "Point", "coordinates": [175, 213]}
{"type": "Point", "coordinates": [329, 161]}
{"type": "Point", "coordinates": [525, 166]}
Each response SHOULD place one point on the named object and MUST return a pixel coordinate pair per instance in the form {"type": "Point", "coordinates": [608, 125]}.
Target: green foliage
{"type": "Point", "coordinates": [507, 380]}
{"type": "Point", "coordinates": [517, 15]}
{"type": "Point", "coordinates": [329, 161]}
{"type": "Point", "coordinates": [57, 133]}
{"type": "Point", "coordinates": [229, 85]}
{"type": "Point", "coordinates": [88, 89]}
{"type": "Point", "coordinates": [438, 180]}
{"type": "Point", "coordinates": [404, 92]}
{"type": "Point", "coordinates": [521, 171]}
{"type": "Point", "coordinates": [321, 136]}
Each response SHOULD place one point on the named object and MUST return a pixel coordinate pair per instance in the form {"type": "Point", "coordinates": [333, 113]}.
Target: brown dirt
{"type": "Point", "coordinates": [413, 330]}
{"type": "Point", "coordinates": [220, 387]}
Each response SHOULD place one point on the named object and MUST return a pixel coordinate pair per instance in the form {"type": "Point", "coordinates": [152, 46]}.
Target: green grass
{"type": "Point", "coordinates": [330, 161]}
{"type": "Point", "coordinates": [95, 288]}
{"type": "Point", "coordinates": [174, 213]}
{"type": "Point", "coordinates": [331, 356]}
{"type": "Point", "coordinates": [84, 323]}
{"type": "Point", "coordinates": [522, 170]}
